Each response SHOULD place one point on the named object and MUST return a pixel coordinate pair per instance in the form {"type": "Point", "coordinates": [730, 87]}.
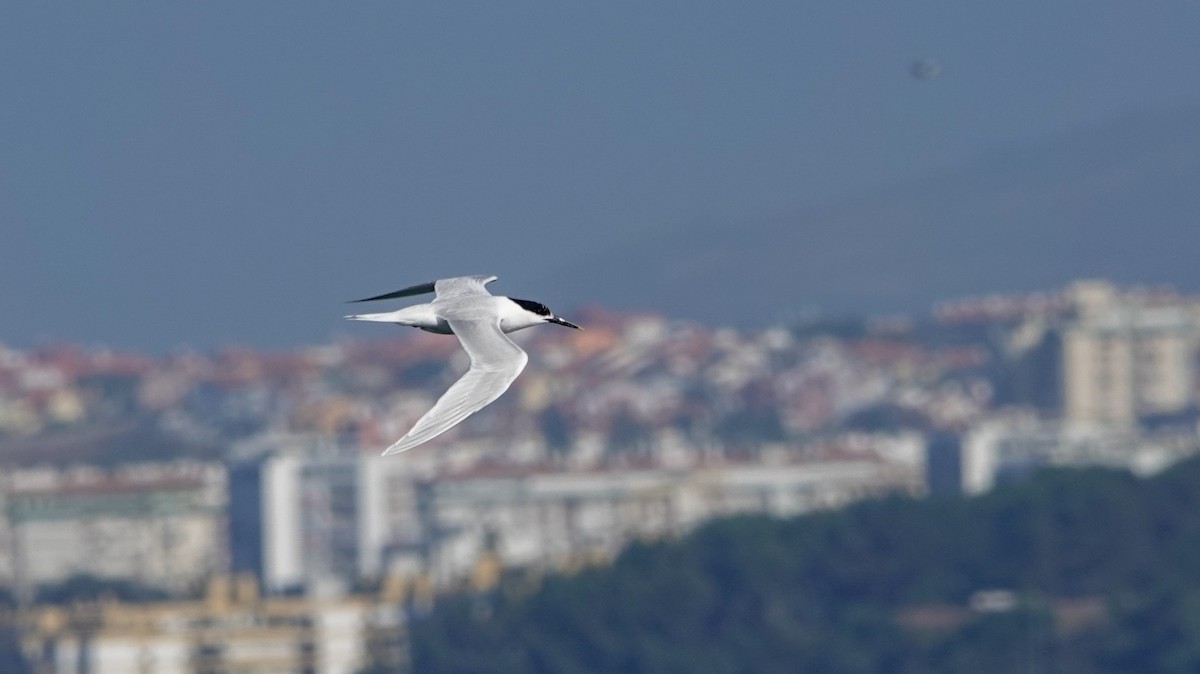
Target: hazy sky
{"type": "Point", "coordinates": [213, 172]}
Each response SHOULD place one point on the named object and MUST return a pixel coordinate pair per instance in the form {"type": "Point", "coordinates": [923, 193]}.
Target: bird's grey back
{"type": "Point", "coordinates": [462, 286]}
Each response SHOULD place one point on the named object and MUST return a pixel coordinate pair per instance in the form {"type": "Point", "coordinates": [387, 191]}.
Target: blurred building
{"type": "Point", "coordinates": [301, 518]}
{"type": "Point", "coordinates": [1012, 446]}
{"type": "Point", "coordinates": [305, 512]}
{"type": "Point", "coordinates": [297, 521]}
{"type": "Point", "coordinates": [555, 519]}
{"type": "Point", "coordinates": [943, 464]}
{"type": "Point", "coordinates": [232, 629]}
{"type": "Point", "coordinates": [1126, 357]}
{"type": "Point", "coordinates": [161, 524]}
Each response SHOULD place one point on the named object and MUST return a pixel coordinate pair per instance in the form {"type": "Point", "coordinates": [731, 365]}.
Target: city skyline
{"type": "Point", "coordinates": [183, 495]}
{"type": "Point", "coordinates": [890, 360]}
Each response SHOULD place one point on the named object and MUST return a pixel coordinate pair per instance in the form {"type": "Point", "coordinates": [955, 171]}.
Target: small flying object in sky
{"type": "Point", "coordinates": [925, 69]}
{"type": "Point", "coordinates": [464, 308]}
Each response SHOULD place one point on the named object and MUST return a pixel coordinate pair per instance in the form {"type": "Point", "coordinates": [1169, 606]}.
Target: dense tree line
{"type": "Point", "coordinates": [822, 593]}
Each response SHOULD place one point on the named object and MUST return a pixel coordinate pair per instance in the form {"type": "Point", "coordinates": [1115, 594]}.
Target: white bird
{"type": "Point", "coordinates": [464, 308]}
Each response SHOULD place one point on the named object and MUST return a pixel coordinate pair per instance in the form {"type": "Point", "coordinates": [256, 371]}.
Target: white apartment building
{"type": "Point", "coordinates": [305, 511]}
{"type": "Point", "coordinates": [302, 518]}
{"type": "Point", "coordinates": [1014, 445]}
{"type": "Point", "coordinates": [162, 524]}
{"type": "Point", "coordinates": [553, 519]}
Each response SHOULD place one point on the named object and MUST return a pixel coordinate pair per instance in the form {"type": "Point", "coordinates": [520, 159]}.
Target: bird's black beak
{"type": "Point", "coordinates": [558, 321]}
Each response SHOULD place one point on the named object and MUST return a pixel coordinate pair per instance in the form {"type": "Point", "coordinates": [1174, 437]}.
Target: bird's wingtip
{"type": "Point", "coordinates": [394, 449]}
{"type": "Point", "coordinates": [419, 289]}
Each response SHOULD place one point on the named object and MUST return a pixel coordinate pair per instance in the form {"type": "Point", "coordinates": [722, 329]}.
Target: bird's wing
{"type": "Point", "coordinates": [419, 289]}
{"type": "Point", "coordinates": [495, 363]}
{"type": "Point", "coordinates": [457, 286]}
{"type": "Point", "coordinates": [463, 286]}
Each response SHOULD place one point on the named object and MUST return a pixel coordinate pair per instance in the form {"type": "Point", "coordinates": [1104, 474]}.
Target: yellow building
{"type": "Point", "coordinates": [232, 631]}
{"type": "Point", "coordinates": [1125, 356]}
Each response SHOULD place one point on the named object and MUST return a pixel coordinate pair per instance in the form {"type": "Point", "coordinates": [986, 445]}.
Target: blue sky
{"type": "Point", "coordinates": [207, 173]}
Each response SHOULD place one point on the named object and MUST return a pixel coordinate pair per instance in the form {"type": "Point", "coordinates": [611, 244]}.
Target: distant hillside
{"type": "Point", "coordinates": [1121, 201]}
{"type": "Point", "coordinates": [1105, 570]}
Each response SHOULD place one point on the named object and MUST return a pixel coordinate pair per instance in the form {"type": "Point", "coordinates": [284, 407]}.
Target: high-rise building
{"type": "Point", "coordinates": [295, 521]}
{"type": "Point", "coordinates": [302, 515]}
{"type": "Point", "coordinates": [1125, 357]}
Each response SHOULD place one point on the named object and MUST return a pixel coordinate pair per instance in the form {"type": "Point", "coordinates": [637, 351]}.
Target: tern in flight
{"type": "Point", "coordinates": [463, 307]}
